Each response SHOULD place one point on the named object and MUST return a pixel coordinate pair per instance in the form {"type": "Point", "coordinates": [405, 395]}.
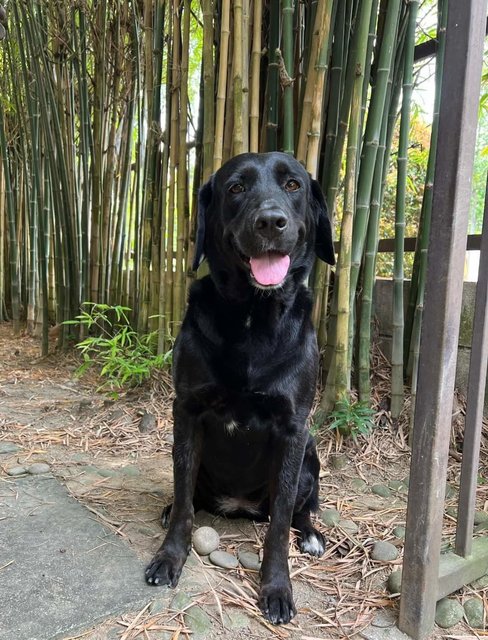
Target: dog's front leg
{"type": "Point", "coordinates": [165, 568]}
{"type": "Point", "coordinates": [275, 598]}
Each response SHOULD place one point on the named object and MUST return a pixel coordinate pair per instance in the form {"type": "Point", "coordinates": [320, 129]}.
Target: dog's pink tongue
{"type": "Point", "coordinates": [270, 268]}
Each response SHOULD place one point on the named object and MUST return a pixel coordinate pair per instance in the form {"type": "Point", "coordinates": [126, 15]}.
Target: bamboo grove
{"type": "Point", "coordinates": [112, 113]}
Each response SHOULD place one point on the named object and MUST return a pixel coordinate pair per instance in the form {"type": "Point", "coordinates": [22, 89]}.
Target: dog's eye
{"type": "Point", "coordinates": [292, 185]}
{"type": "Point", "coordinates": [236, 188]}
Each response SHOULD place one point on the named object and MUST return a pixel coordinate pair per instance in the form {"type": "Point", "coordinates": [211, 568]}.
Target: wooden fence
{"type": "Point", "coordinates": [428, 575]}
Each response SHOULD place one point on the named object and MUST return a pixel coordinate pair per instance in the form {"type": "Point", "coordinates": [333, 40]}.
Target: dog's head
{"type": "Point", "coordinates": [261, 219]}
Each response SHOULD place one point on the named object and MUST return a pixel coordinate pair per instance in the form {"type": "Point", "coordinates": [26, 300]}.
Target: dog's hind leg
{"type": "Point", "coordinates": [310, 540]}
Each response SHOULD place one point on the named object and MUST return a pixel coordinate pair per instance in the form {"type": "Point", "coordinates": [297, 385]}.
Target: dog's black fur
{"type": "Point", "coordinates": [245, 368]}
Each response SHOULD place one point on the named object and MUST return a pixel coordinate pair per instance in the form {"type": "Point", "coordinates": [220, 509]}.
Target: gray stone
{"type": "Point", "coordinates": [394, 583]}
{"type": "Point", "coordinates": [358, 484]}
{"type": "Point", "coordinates": [348, 526]}
{"type": "Point", "coordinates": [235, 619]}
{"type": "Point", "coordinates": [330, 517]}
{"type": "Point", "coordinates": [224, 560]}
{"type": "Point", "coordinates": [384, 551]}
{"type": "Point", "coordinates": [396, 485]}
{"type": "Point", "coordinates": [8, 447]}
{"type": "Point", "coordinates": [38, 468]}
{"type": "Point", "coordinates": [381, 490]}
{"type": "Point", "coordinates": [338, 461]}
{"type": "Point", "coordinates": [399, 532]}
{"type": "Point", "coordinates": [448, 612]}
{"type": "Point", "coordinates": [16, 471]}
{"type": "Point", "coordinates": [452, 511]}
{"type": "Point", "coordinates": [181, 601]}
{"type": "Point", "coordinates": [147, 423]}
{"type": "Point", "coordinates": [474, 610]}
{"type": "Point", "coordinates": [384, 619]}
{"type": "Point", "coordinates": [372, 503]}
{"type": "Point", "coordinates": [205, 540]}
{"type": "Point", "coordinates": [107, 473]}
{"type": "Point", "coordinates": [161, 605]}
{"type": "Point", "coordinates": [480, 583]}
{"type": "Point", "coordinates": [450, 491]}
{"type": "Point", "coordinates": [480, 516]}
{"type": "Point", "coordinates": [130, 470]}
{"type": "Point", "coordinates": [406, 480]}
{"type": "Point", "coordinates": [249, 560]}
{"type": "Point", "coordinates": [198, 621]}
{"type": "Point", "coordinates": [390, 633]}
{"type": "Point", "coordinates": [81, 572]}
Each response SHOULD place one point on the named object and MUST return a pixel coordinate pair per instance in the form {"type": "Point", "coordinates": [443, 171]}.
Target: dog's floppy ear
{"type": "Point", "coordinates": [324, 245]}
{"type": "Point", "coordinates": [204, 199]}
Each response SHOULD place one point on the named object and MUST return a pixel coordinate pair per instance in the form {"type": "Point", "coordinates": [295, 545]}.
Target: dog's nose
{"type": "Point", "coordinates": [270, 223]}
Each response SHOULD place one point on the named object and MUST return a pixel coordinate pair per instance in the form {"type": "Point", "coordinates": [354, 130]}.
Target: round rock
{"type": "Point", "coordinates": [37, 468]}
{"type": "Point", "coordinates": [474, 610]}
{"type": "Point", "coordinates": [339, 461]}
{"type": "Point", "coordinates": [8, 447]}
{"type": "Point", "coordinates": [249, 560]}
{"type": "Point", "coordinates": [394, 583]}
{"type": "Point", "coordinates": [224, 560]}
{"type": "Point", "coordinates": [359, 485]}
{"type": "Point", "coordinates": [330, 517]}
{"type": "Point", "coordinates": [348, 526]}
{"type": "Point", "coordinates": [16, 471]}
{"type": "Point", "coordinates": [399, 532]}
{"type": "Point", "coordinates": [205, 540]}
{"type": "Point", "coordinates": [395, 485]}
{"type": "Point", "coordinates": [384, 551]}
{"type": "Point", "coordinates": [480, 516]}
{"type": "Point", "coordinates": [381, 490]}
{"type": "Point", "coordinates": [448, 613]}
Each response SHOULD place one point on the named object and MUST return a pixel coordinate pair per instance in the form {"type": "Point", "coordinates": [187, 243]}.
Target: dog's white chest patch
{"type": "Point", "coordinates": [231, 427]}
{"type": "Point", "coordinates": [247, 323]}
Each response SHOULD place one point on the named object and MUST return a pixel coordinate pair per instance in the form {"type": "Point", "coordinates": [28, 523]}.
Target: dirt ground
{"type": "Point", "coordinates": [95, 446]}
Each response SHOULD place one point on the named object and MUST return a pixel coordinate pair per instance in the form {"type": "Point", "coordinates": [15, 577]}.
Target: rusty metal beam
{"type": "Point", "coordinates": [474, 407]}
{"type": "Point", "coordinates": [440, 328]}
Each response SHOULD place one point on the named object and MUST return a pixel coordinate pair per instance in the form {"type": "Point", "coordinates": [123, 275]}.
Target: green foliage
{"type": "Point", "coordinates": [124, 357]}
{"type": "Point", "coordinates": [349, 418]}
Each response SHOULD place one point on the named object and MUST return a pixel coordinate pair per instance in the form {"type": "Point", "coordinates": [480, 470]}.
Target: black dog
{"type": "Point", "coordinates": [245, 368]}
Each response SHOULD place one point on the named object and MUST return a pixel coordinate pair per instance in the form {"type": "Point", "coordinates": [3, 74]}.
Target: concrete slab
{"type": "Point", "coordinates": [61, 571]}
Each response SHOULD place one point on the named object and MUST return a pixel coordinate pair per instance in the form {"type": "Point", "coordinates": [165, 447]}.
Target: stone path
{"type": "Point", "coordinates": [61, 571]}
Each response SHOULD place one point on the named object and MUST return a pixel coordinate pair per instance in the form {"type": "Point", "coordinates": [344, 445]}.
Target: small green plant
{"type": "Point", "coordinates": [351, 419]}
{"type": "Point", "coordinates": [124, 357]}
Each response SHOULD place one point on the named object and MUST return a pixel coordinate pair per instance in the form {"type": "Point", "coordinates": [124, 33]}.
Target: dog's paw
{"type": "Point", "coordinates": [312, 542]}
{"type": "Point", "coordinates": [164, 569]}
{"type": "Point", "coordinates": [277, 604]}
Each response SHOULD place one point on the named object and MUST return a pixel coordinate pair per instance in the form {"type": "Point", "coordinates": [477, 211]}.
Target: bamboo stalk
{"type": "Point", "coordinates": [208, 88]}
{"type": "Point", "coordinates": [398, 274]}
{"type": "Point", "coordinates": [222, 85]}
{"type": "Point", "coordinates": [288, 11]}
{"type": "Point", "coordinates": [181, 186]}
{"type": "Point", "coordinates": [255, 77]}
{"type": "Point", "coordinates": [237, 78]}
{"type": "Point", "coordinates": [272, 88]}
{"type": "Point", "coordinates": [371, 138]}
{"type": "Point", "coordinates": [341, 371]}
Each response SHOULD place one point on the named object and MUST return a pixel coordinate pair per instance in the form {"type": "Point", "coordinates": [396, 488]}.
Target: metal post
{"type": "Point", "coordinates": [440, 329]}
